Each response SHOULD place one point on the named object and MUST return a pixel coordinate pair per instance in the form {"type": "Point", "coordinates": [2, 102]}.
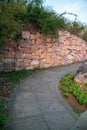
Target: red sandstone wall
{"type": "Point", "coordinates": [36, 50]}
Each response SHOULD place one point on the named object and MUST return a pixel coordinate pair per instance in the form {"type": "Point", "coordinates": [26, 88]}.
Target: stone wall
{"type": "Point", "coordinates": [36, 50]}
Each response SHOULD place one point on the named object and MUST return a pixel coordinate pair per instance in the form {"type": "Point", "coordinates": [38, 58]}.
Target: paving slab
{"type": "Point", "coordinates": [36, 103]}
{"type": "Point", "coordinates": [81, 123]}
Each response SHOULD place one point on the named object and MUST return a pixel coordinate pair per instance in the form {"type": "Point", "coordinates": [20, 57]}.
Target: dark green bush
{"type": "Point", "coordinates": [48, 23]}
{"type": "Point", "coordinates": [9, 28]}
{"type": "Point", "coordinates": [17, 10]}
{"type": "Point", "coordinates": [10, 23]}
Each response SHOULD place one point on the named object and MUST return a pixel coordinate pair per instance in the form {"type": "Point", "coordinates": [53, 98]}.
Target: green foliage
{"type": "Point", "coordinates": [76, 27]}
{"type": "Point", "coordinates": [16, 13]}
{"type": "Point", "coordinates": [15, 77]}
{"type": "Point", "coordinates": [46, 20]}
{"type": "Point", "coordinates": [69, 86]}
{"type": "Point", "coordinates": [85, 84]}
{"type": "Point", "coordinates": [10, 24]}
{"type": "Point", "coordinates": [3, 115]}
{"type": "Point", "coordinates": [37, 3]}
{"type": "Point", "coordinates": [85, 35]}
{"type": "Point", "coordinates": [48, 23]}
{"type": "Point", "coordinates": [10, 29]}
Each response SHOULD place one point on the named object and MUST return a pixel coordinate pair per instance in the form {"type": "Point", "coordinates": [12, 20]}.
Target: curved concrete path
{"type": "Point", "coordinates": [37, 105]}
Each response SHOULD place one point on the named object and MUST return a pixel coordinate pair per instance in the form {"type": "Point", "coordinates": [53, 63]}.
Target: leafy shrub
{"type": "Point", "coordinates": [10, 29]}
{"type": "Point", "coordinates": [10, 26]}
{"type": "Point", "coordinates": [48, 23]}
{"type": "Point", "coordinates": [47, 20]}
{"type": "Point", "coordinates": [17, 10]}
{"type": "Point", "coordinates": [69, 86]}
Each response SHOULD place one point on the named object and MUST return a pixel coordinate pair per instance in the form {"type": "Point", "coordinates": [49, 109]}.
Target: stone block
{"type": "Point", "coordinates": [37, 53]}
{"type": "Point", "coordinates": [30, 67]}
{"type": "Point", "coordinates": [24, 44]}
{"type": "Point", "coordinates": [70, 57]}
{"type": "Point", "coordinates": [25, 34]}
{"type": "Point", "coordinates": [42, 62]}
{"type": "Point", "coordinates": [63, 53]}
{"type": "Point", "coordinates": [34, 57]}
{"type": "Point", "coordinates": [13, 64]}
{"type": "Point", "coordinates": [40, 46]}
{"type": "Point", "coordinates": [38, 41]}
{"type": "Point", "coordinates": [10, 55]}
{"type": "Point", "coordinates": [26, 50]}
{"type": "Point", "coordinates": [40, 51]}
{"type": "Point", "coordinates": [54, 48]}
{"type": "Point", "coordinates": [46, 65]}
{"type": "Point", "coordinates": [43, 55]}
{"type": "Point", "coordinates": [26, 56]}
{"type": "Point", "coordinates": [49, 50]}
{"type": "Point", "coordinates": [23, 64]}
{"type": "Point", "coordinates": [69, 61]}
{"type": "Point", "coordinates": [48, 40]}
{"type": "Point", "coordinates": [33, 48]}
{"type": "Point", "coordinates": [83, 68]}
{"type": "Point", "coordinates": [7, 66]}
{"type": "Point", "coordinates": [35, 62]}
{"type": "Point", "coordinates": [48, 57]}
{"type": "Point", "coordinates": [18, 55]}
{"type": "Point", "coordinates": [59, 58]}
{"type": "Point", "coordinates": [38, 35]}
{"type": "Point", "coordinates": [33, 37]}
